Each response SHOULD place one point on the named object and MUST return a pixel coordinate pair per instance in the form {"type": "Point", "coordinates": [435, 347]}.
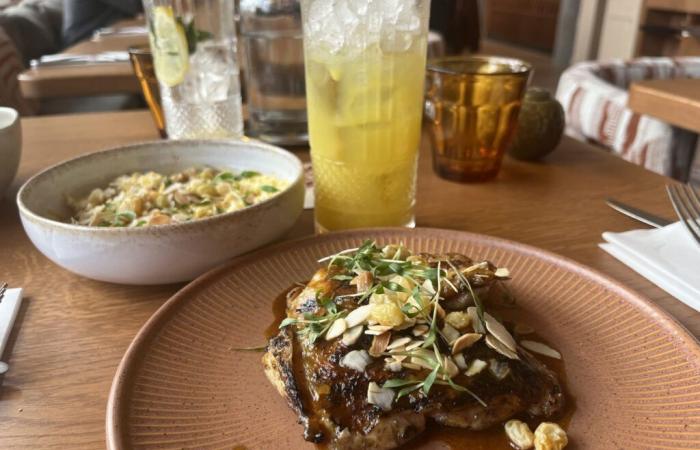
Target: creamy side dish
{"type": "Point", "coordinates": [150, 198]}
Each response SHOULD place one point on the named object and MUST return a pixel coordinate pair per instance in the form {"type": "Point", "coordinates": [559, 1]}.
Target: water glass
{"type": "Point", "coordinates": [142, 63]}
{"type": "Point", "coordinates": [194, 56]}
{"type": "Point", "coordinates": [274, 72]}
{"type": "Point", "coordinates": [365, 71]}
{"type": "Point", "coordinates": [472, 104]}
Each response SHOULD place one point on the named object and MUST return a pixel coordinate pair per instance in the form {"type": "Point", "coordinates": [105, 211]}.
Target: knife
{"type": "Point", "coordinates": [638, 214]}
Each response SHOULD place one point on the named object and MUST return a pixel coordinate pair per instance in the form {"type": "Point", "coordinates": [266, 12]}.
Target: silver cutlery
{"type": "Point", "coordinates": [638, 214]}
{"type": "Point", "coordinates": [687, 205]}
{"type": "Point", "coordinates": [70, 59]}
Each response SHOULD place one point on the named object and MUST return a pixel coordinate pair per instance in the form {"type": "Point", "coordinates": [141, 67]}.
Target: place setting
{"type": "Point", "coordinates": [334, 224]}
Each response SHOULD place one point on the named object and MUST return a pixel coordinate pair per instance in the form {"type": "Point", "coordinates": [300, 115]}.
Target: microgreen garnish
{"type": "Point", "coordinates": [248, 174]}
{"type": "Point", "coordinates": [123, 218]}
{"type": "Point", "coordinates": [268, 188]}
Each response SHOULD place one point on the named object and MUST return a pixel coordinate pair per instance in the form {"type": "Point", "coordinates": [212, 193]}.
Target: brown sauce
{"type": "Point", "coordinates": [279, 311]}
{"type": "Point", "coordinates": [436, 436]}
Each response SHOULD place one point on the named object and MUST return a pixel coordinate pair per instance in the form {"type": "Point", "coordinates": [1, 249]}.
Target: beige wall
{"type": "Point", "coordinates": [620, 29]}
{"type": "Point", "coordinates": [588, 26]}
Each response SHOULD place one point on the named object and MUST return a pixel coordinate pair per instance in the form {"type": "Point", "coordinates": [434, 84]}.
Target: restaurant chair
{"type": "Point", "coordinates": [10, 66]}
{"type": "Point", "coordinates": [594, 96]}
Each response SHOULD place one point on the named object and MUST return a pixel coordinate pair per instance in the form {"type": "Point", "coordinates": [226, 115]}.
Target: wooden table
{"type": "Point", "coordinates": [674, 101]}
{"type": "Point", "coordinates": [72, 332]}
{"type": "Point", "coordinates": [88, 79]}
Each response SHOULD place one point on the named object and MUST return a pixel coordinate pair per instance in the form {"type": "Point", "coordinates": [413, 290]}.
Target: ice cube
{"type": "Point", "coordinates": [211, 71]}
{"type": "Point", "coordinates": [359, 7]}
{"type": "Point", "coordinates": [408, 19]}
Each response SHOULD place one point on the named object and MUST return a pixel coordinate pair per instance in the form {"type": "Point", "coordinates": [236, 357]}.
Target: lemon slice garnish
{"type": "Point", "coordinates": [169, 44]}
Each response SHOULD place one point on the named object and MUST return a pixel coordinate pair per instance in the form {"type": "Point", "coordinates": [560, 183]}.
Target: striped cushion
{"type": "Point", "coordinates": [594, 96]}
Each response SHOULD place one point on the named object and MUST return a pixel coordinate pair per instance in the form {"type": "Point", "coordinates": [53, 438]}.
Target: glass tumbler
{"type": "Point", "coordinates": [274, 71]}
{"type": "Point", "coordinates": [142, 63]}
{"type": "Point", "coordinates": [365, 72]}
{"type": "Point", "coordinates": [472, 105]}
{"type": "Point", "coordinates": [193, 43]}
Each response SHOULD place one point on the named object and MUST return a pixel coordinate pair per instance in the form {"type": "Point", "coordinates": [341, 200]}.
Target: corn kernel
{"type": "Point", "coordinates": [550, 436]}
{"type": "Point", "coordinates": [458, 319]}
{"type": "Point", "coordinates": [519, 434]}
{"type": "Point", "coordinates": [387, 314]}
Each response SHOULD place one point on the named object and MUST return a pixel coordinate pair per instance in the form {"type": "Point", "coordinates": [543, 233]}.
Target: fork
{"type": "Point", "coordinates": [687, 205]}
{"type": "Point", "coordinates": [3, 288]}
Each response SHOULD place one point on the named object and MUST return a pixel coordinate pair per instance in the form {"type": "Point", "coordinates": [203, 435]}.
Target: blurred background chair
{"type": "Point", "coordinates": [594, 96]}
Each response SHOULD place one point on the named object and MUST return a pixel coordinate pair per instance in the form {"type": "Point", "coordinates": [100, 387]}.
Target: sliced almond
{"type": "Point", "coordinates": [351, 335]}
{"type": "Point", "coordinates": [502, 273]}
{"type": "Point", "coordinates": [475, 367]}
{"type": "Point", "coordinates": [450, 333]}
{"type": "Point", "coordinates": [542, 349]}
{"type": "Point", "coordinates": [475, 267]}
{"type": "Point", "coordinates": [379, 344]}
{"type": "Point", "coordinates": [465, 341]}
{"type": "Point", "coordinates": [460, 361]}
{"type": "Point", "coordinates": [394, 366]}
{"type": "Point", "coordinates": [374, 332]}
{"type": "Point", "coordinates": [498, 346]}
{"type": "Point", "coordinates": [399, 342]}
{"type": "Point", "coordinates": [363, 281]}
{"type": "Point", "coordinates": [420, 330]}
{"type": "Point", "coordinates": [408, 322]}
{"type": "Point", "coordinates": [414, 344]}
{"type": "Point", "coordinates": [499, 331]}
{"type": "Point", "coordinates": [358, 315]}
{"type": "Point", "coordinates": [475, 321]}
{"type": "Point", "coordinates": [411, 366]}
{"type": "Point", "coordinates": [422, 363]}
{"type": "Point", "coordinates": [337, 328]}
{"type": "Point", "coordinates": [428, 287]}
{"type": "Point", "coordinates": [381, 328]}
{"type": "Point", "coordinates": [399, 357]}
{"type": "Point", "coordinates": [450, 367]}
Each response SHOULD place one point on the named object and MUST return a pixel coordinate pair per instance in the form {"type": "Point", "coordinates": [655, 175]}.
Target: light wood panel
{"type": "Point", "coordinates": [72, 332]}
{"type": "Point", "coordinates": [674, 101]}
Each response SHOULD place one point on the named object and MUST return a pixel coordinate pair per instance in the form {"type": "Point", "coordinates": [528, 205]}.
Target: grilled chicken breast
{"type": "Point", "coordinates": [360, 376]}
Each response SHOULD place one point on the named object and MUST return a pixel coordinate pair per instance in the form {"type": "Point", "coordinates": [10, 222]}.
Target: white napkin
{"type": "Point", "coordinates": [668, 257]}
{"type": "Point", "coordinates": [9, 305]}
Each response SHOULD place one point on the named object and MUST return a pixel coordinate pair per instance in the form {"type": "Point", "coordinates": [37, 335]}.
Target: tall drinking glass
{"type": "Point", "coordinates": [365, 70]}
{"type": "Point", "coordinates": [274, 55]}
{"type": "Point", "coordinates": [194, 55]}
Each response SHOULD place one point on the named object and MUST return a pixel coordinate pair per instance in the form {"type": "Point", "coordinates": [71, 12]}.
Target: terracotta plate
{"type": "Point", "coordinates": [635, 372]}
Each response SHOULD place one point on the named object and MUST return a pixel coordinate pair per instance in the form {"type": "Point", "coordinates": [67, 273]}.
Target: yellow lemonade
{"type": "Point", "coordinates": [364, 126]}
{"type": "Point", "coordinates": [365, 73]}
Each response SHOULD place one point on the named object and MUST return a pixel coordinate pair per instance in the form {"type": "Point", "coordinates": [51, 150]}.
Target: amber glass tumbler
{"type": "Point", "coordinates": [472, 105]}
{"type": "Point", "coordinates": [142, 62]}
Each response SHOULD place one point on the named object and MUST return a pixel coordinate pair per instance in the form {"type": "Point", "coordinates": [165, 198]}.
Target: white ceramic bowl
{"type": "Point", "coordinates": [157, 254]}
{"type": "Point", "coordinates": [10, 146]}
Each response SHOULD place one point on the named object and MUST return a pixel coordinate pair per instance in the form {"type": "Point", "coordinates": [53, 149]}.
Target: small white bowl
{"type": "Point", "coordinates": [10, 146]}
{"type": "Point", "coordinates": [166, 253]}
